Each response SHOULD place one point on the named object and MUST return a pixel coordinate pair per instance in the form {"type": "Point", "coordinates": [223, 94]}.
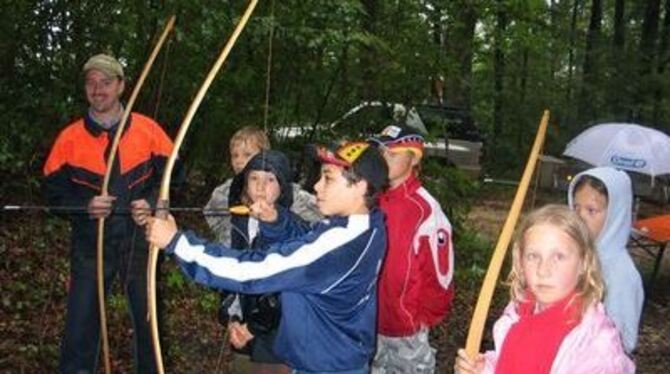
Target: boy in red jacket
{"type": "Point", "coordinates": [415, 285]}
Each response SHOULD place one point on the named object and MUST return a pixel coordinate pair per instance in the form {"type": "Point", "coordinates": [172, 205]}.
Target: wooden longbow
{"type": "Point", "coordinates": [484, 302]}
{"type": "Point", "coordinates": [105, 191]}
{"type": "Point", "coordinates": [164, 193]}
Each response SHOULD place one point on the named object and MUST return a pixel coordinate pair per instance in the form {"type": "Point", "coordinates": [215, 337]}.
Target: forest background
{"type": "Point", "coordinates": [505, 61]}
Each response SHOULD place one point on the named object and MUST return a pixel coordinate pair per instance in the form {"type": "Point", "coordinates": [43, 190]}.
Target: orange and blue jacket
{"type": "Point", "coordinates": [76, 165]}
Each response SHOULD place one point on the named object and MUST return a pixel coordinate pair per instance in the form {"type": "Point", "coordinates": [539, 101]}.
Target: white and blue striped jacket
{"type": "Point", "coordinates": [327, 276]}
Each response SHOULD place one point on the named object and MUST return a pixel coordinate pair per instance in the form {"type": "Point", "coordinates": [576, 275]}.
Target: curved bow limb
{"type": "Point", "coordinates": [105, 191]}
{"type": "Point", "coordinates": [164, 193]}
{"type": "Point", "coordinates": [475, 333]}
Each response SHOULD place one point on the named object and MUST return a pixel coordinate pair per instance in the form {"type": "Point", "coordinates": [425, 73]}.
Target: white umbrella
{"type": "Point", "coordinates": [623, 146]}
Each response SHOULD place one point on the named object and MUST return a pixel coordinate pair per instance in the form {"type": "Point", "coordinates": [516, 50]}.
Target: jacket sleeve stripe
{"type": "Point", "coordinates": [238, 266]}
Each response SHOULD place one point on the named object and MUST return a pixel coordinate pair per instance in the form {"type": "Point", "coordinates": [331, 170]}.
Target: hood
{"type": "Point", "coordinates": [271, 161]}
{"type": "Point", "coordinates": [615, 232]}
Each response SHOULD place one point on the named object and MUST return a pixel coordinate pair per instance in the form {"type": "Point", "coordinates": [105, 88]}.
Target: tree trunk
{"type": "Point", "coordinates": [459, 47]}
{"type": "Point", "coordinates": [9, 32]}
{"type": "Point", "coordinates": [78, 42]}
{"type": "Point", "coordinates": [436, 23]}
{"type": "Point", "coordinates": [619, 24]}
{"type": "Point", "coordinates": [663, 60]}
{"type": "Point", "coordinates": [437, 79]}
{"type": "Point", "coordinates": [588, 102]}
{"type": "Point", "coordinates": [553, 51]}
{"type": "Point", "coordinates": [616, 88]}
{"type": "Point", "coordinates": [647, 57]}
{"type": "Point", "coordinates": [520, 138]}
{"type": "Point", "coordinates": [571, 56]}
{"type": "Point", "coordinates": [649, 35]}
{"type": "Point", "coordinates": [499, 69]}
{"type": "Point", "coordinates": [369, 57]}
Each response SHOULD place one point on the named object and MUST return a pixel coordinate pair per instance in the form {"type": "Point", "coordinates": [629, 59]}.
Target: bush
{"type": "Point", "coordinates": [452, 187]}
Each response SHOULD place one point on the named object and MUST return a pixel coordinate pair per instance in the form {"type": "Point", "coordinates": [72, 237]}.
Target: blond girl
{"type": "Point", "coordinates": [555, 322]}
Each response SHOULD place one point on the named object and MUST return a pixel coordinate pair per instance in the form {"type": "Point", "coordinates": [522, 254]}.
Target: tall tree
{"type": "Point", "coordinates": [648, 52]}
{"type": "Point", "coordinates": [459, 47]}
{"type": "Point", "coordinates": [587, 106]}
{"type": "Point", "coordinates": [663, 61]}
{"type": "Point", "coordinates": [616, 93]}
{"type": "Point", "coordinates": [499, 68]}
{"type": "Point", "coordinates": [370, 56]}
{"type": "Point", "coordinates": [9, 41]}
{"type": "Point", "coordinates": [572, 47]}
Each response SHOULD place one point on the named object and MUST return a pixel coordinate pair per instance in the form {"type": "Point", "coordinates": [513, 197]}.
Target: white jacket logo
{"type": "Point", "coordinates": [438, 230]}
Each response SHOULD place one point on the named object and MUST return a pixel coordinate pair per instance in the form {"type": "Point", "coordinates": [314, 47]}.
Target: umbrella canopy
{"type": "Point", "coordinates": [623, 146]}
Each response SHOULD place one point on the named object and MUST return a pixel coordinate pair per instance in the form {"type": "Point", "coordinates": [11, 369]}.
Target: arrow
{"type": "Point", "coordinates": [239, 210]}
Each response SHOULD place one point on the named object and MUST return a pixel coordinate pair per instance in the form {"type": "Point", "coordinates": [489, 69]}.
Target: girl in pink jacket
{"type": "Point", "coordinates": [555, 322]}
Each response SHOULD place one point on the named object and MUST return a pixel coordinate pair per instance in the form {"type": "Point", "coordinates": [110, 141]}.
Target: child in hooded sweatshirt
{"type": "Point", "coordinates": [555, 322]}
{"type": "Point", "coordinates": [245, 144]}
{"type": "Point", "coordinates": [254, 319]}
{"type": "Point", "coordinates": [603, 199]}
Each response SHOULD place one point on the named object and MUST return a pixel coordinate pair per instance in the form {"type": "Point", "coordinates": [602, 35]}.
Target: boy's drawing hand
{"type": "Point", "coordinates": [263, 211]}
{"type": "Point", "coordinates": [238, 334]}
{"type": "Point", "coordinates": [141, 210]}
{"type": "Point", "coordinates": [159, 231]}
{"type": "Point", "coordinates": [100, 206]}
{"type": "Point", "coordinates": [466, 365]}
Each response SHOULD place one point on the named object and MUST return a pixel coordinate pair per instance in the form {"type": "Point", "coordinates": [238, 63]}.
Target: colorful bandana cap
{"type": "Point", "coordinates": [364, 160]}
{"type": "Point", "coordinates": [399, 138]}
{"type": "Point", "coordinates": [343, 156]}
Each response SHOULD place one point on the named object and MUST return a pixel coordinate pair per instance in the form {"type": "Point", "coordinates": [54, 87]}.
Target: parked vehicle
{"type": "Point", "coordinates": [451, 133]}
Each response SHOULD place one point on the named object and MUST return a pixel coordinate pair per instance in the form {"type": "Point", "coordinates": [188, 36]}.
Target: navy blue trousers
{"type": "Point", "coordinates": [81, 345]}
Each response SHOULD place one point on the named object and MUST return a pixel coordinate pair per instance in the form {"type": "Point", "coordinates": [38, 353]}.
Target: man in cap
{"type": "Point", "coordinates": [327, 274]}
{"type": "Point", "coordinates": [73, 176]}
{"type": "Point", "coordinates": [415, 285]}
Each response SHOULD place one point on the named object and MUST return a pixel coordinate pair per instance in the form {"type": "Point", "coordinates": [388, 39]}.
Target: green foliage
{"type": "Point", "coordinates": [327, 56]}
{"type": "Point", "coordinates": [117, 301]}
{"type": "Point", "coordinates": [175, 279]}
{"type": "Point", "coordinates": [209, 302]}
{"type": "Point", "coordinates": [456, 192]}
{"type": "Point", "coordinates": [473, 254]}
{"type": "Point", "coordinates": [451, 187]}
